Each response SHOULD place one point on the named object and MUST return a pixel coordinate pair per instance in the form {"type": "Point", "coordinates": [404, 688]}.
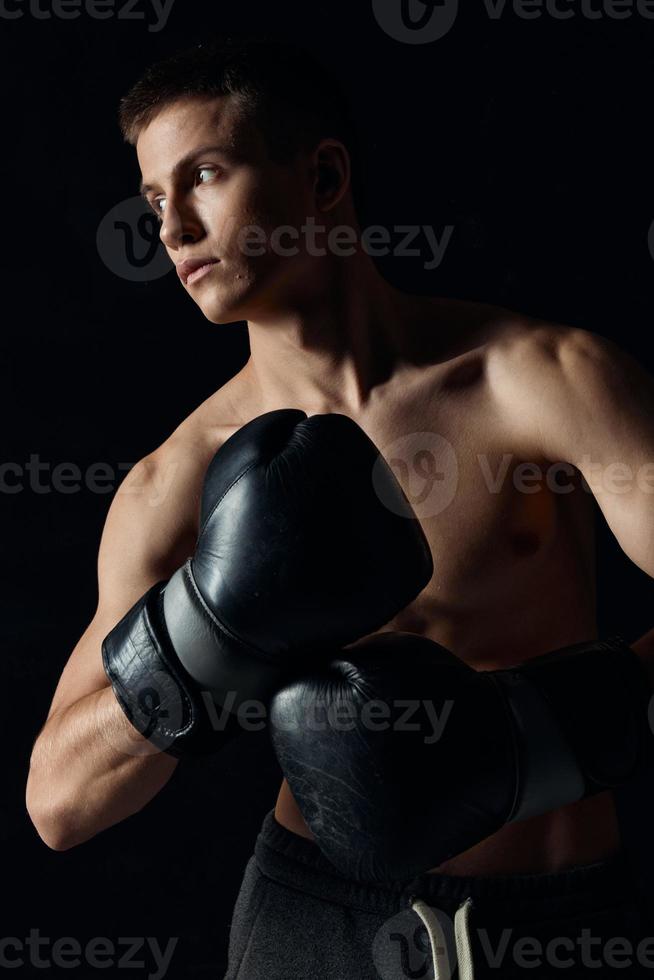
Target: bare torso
{"type": "Point", "coordinates": [514, 567]}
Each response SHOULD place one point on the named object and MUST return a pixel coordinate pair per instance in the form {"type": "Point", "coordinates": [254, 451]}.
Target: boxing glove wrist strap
{"type": "Point", "coordinates": [163, 703]}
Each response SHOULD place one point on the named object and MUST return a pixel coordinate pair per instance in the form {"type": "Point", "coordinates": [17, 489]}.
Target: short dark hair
{"type": "Point", "coordinates": [290, 96]}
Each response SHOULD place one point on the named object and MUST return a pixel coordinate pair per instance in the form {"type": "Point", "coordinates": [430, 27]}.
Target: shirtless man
{"type": "Point", "coordinates": [514, 570]}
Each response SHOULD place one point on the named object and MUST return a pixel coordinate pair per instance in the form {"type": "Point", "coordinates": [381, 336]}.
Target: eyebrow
{"type": "Point", "coordinates": [188, 159]}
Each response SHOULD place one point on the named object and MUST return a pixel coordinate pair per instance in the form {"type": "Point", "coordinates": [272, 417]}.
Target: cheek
{"type": "Point", "coordinates": [249, 212]}
{"type": "Point", "coordinates": [274, 200]}
{"type": "Point", "coordinates": [238, 219]}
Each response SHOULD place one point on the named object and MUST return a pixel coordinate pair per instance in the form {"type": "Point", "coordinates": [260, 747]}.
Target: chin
{"type": "Point", "coordinates": [226, 318]}
{"type": "Point", "coordinates": [221, 312]}
{"type": "Point", "coordinates": [241, 304]}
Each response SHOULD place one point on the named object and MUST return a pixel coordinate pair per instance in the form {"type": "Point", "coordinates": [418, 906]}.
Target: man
{"type": "Point", "coordinates": [459, 397]}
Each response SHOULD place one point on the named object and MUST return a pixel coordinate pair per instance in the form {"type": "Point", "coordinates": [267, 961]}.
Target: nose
{"type": "Point", "coordinates": [180, 226]}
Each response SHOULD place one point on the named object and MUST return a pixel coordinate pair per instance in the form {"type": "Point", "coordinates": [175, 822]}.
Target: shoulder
{"type": "Point", "coordinates": [156, 509]}
{"type": "Point", "coordinates": [503, 337]}
{"type": "Point", "coordinates": [519, 338]}
{"type": "Point", "coordinates": [559, 389]}
{"type": "Point", "coordinates": [526, 357]}
{"type": "Point", "coordinates": [514, 349]}
{"type": "Point", "coordinates": [189, 449]}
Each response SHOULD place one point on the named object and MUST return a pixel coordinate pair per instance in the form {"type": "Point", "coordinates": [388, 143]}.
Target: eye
{"type": "Point", "coordinates": [202, 170]}
{"type": "Point", "coordinates": [155, 204]}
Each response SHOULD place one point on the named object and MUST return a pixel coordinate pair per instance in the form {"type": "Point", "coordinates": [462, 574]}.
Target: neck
{"type": "Point", "coordinates": [327, 350]}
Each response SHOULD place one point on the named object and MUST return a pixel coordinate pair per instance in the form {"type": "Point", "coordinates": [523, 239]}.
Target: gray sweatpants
{"type": "Point", "coordinates": [297, 917]}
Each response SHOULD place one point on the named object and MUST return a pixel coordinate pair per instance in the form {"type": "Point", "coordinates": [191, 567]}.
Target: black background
{"type": "Point", "coordinates": [531, 137]}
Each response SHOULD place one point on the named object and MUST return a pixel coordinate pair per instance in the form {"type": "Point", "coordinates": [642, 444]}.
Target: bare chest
{"type": "Point", "coordinates": [511, 535]}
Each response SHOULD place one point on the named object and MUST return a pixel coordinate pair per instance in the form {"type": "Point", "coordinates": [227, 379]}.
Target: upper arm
{"type": "Point", "coordinates": [149, 532]}
{"type": "Point", "coordinates": [577, 397]}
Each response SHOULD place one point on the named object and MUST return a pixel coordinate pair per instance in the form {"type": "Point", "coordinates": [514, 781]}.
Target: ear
{"type": "Point", "coordinates": [332, 171]}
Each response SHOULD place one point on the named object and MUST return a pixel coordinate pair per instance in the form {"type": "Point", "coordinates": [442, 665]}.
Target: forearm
{"type": "Point", "coordinates": [89, 770]}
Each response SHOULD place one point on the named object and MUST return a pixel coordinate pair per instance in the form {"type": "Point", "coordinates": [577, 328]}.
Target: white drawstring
{"type": "Point", "coordinates": [462, 940]}
{"type": "Point", "coordinates": [443, 969]}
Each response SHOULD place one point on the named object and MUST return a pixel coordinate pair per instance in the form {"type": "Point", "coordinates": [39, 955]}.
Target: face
{"type": "Point", "coordinates": [208, 177]}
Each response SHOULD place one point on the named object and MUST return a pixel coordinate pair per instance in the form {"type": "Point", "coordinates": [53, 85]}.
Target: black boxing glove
{"type": "Point", "coordinates": [306, 542]}
{"type": "Point", "coordinates": [401, 756]}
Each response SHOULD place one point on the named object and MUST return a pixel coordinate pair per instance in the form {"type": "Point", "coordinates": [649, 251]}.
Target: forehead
{"type": "Point", "coordinates": [194, 122]}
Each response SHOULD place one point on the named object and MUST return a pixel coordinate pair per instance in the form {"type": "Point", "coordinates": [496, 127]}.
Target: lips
{"type": "Point", "coordinates": [188, 267]}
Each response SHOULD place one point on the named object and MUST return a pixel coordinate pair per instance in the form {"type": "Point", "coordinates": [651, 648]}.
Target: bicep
{"type": "Point", "coordinates": [606, 419]}
{"type": "Point", "coordinates": [580, 399]}
{"type": "Point", "coordinates": [145, 538]}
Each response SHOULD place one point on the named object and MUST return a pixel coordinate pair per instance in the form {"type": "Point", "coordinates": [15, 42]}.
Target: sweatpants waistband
{"type": "Point", "coordinates": [298, 863]}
